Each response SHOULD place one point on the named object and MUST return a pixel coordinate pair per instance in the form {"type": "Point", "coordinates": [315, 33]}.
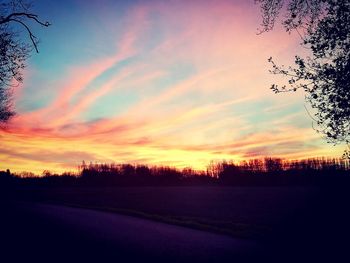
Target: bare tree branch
{"type": "Point", "coordinates": [14, 51]}
{"type": "Point", "coordinates": [28, 15]}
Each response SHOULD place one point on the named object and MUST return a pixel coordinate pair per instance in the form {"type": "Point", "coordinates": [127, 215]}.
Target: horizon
{"type": "Point", "coordinates": [177, 84]}
{"type": "Point", "coordinates": [318, 163]}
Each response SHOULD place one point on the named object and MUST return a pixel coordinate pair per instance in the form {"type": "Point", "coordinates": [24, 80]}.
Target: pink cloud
{"type": "Point", "coordinates": [79, 77]}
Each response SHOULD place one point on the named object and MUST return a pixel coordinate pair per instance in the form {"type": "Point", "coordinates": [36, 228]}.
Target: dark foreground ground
{"type": "Point", "coordinates": [176, 224]}
{"type": "Point", "coordinates": [53, 232]}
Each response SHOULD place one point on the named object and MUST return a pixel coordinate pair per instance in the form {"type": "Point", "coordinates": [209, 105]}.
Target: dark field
{"type": "Point", "coordinates": [305, 222]}
{"type": "Point", "coordinates": [238, 211]}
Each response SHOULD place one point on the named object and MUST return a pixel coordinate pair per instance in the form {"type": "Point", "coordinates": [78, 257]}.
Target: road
{"type": "Point", "coordinates": [43, 232]}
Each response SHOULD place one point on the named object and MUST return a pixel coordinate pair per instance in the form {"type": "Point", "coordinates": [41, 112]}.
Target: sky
{"type": "Point", "coordinates": [177, 83]}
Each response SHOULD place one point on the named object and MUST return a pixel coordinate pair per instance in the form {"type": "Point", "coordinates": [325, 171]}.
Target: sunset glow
{"type": "Point", "coordinates": [178, 83]}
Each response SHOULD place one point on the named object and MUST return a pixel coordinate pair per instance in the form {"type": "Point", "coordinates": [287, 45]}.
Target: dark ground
{"type": "Point", "coordinates": [302, 224]}
{"type": "Point", "coordinates": [53, 232]}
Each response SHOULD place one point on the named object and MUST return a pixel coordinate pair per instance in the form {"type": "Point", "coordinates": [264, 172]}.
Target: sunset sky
{"type": "Point", "coordinates": [177, 83]}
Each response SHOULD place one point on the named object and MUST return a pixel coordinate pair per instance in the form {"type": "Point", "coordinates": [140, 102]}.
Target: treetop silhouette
{"type": "Point", "coordinates": [324, 75]}
{"type": "Point", "coordinates": [14, 50]}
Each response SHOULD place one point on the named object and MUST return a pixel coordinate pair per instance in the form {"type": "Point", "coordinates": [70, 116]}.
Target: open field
{"type": "Point", "coordinates": [290, 221]}
{"type": "Point", "coordinates": [248, 212]}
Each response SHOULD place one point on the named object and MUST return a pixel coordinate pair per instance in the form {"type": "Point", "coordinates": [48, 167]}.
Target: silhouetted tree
{"type": "Point", "coordinates": [229, 171]}
{"type": "Point", "coordinates": [214, 169]}
{"type": "Point", "coordinates": [324, 75]}
{"type": "Point", "coordinates": [273, 165]}
{"type": "Point", "coordinates": [15, 15]}
{"type": "Point", "coordinates": [142, 170]}
{"type": "Point", "coordinates": [46, 173]}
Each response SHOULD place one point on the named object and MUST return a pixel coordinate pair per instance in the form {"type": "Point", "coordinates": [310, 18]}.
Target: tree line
{"type": "Point", "coordinates": [267, 171]}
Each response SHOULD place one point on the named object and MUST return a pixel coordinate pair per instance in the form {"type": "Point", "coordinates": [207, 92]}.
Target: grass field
{"type": "Point", "coordinates": [247, 212]}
